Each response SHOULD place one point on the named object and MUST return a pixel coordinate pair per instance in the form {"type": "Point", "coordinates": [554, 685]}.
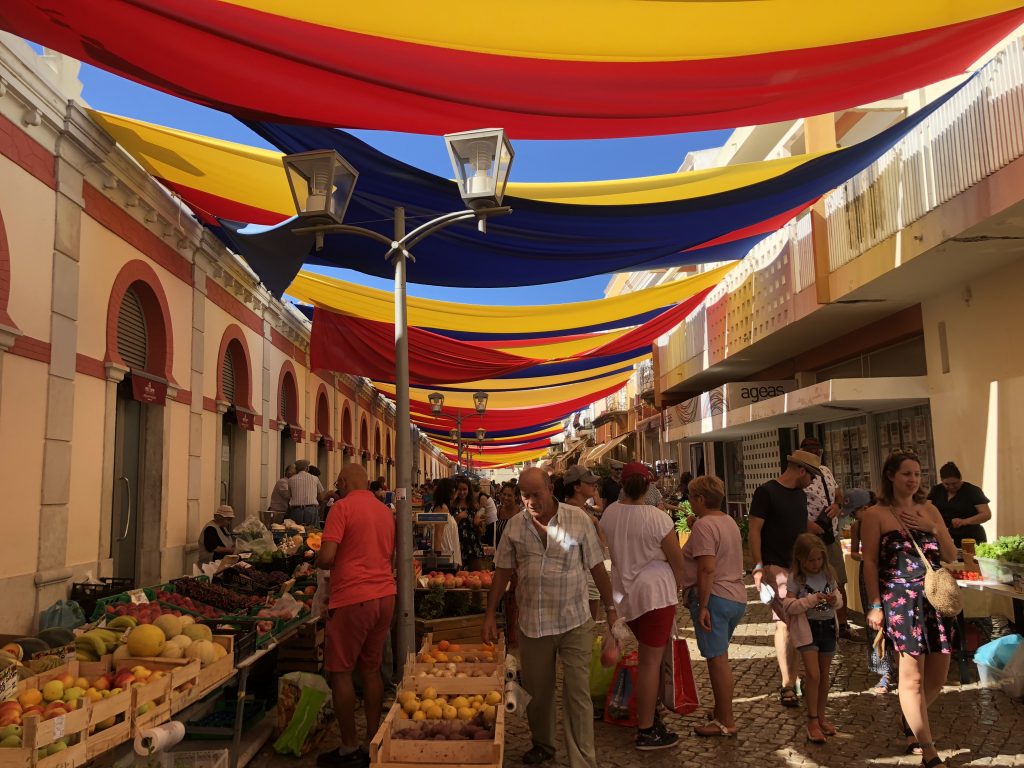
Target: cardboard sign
{"type": "Point", "coordinates": [138, 596]}
{"type": "Point", "coordinates": [61, 655]}
{"type": "Point", "coordinates": [8, 682]}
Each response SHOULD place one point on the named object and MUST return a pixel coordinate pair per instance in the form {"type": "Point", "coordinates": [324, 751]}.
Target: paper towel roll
{"type": "Point", "coordinates": [160, 738]}
{"type": "Point", "coordinates": [516, 698]}
{"type": "Point", "coordinates": [511, 667]}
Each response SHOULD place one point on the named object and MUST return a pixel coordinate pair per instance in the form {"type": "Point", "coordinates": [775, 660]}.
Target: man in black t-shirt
{"type": "Point", "coordinates": [778, 514]}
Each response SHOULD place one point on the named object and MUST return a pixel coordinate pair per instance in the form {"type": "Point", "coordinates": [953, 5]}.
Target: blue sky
{"type": "Point", "coordinates": [536, 161]}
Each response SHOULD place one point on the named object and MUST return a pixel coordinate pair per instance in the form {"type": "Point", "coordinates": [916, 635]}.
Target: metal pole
{"type": "Point", "coordinates": [403, 459]}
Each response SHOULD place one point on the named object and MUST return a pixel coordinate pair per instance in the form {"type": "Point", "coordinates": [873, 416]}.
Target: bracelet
{"type": "Point", "coordinates": [875, 607]}
{"type": "Point", "coordinates": [610, 609]}
{"type": "Point", "coordinates": [757, 568]}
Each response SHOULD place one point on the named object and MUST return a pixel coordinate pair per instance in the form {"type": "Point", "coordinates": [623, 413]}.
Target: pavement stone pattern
{"type": "Point", "coordinates": [974, 726]}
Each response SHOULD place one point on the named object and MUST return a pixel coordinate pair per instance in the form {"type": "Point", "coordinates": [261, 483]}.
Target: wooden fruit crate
{"type": "Point", "coordinates": [306, 644]}
{"type": "Point", "coordinates": [459, 629]}
{"type": "Point", "coordinates": [386, 752]}
{"type": "Point", "coordinates": [37, 734]}
{"type": "Point", "coordinates": [214, 675]}
{"type": "Point", "coordinates": [473, 646]}
{"type": "Point", "coordinates": [182, 677]}
{"type": "Point", "coordinates": [118, 707]}
{"type": "Point", "coordinates": [493, 679]}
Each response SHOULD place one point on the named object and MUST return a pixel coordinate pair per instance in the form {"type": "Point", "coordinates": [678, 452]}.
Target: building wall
{"type": "Point", "coordinates": [976, 406]}
{"type": "Point", "coordinates": [79, 223]}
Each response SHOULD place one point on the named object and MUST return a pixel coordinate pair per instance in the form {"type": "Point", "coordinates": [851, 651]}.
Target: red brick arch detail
{"type": "Point", "coordinates": [387, 446]}
{"type": "Point", "coordinates": [364, 435]}
{"type": "Point", "coordinates": [240, 358]}
{"type": "Point", "coordinates": [5, 276]}
{"type": "Point", "coordinates": [287, 369]}
{"type": "Point", "coordinates": [323, 417]}
{"type": "Point", "coordinates": [376, 441]}
{"type": "Point", "coordinates": [346, 425]}
{"type": "Point", "coordinates": [151, 295]}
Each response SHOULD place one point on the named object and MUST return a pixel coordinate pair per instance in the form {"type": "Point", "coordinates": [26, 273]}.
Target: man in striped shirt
{"type": "Point", "coordinates": [305, 491]}
{"type": "Point", "coordinates": [550, 547]}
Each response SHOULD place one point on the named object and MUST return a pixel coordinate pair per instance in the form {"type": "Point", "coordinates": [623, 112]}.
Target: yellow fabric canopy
{"type": "Point", "coordinates": [533, 382]}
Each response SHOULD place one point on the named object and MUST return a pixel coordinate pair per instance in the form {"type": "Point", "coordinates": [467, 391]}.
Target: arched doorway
{"type": "Point", "coordinates": [378, 456]}
{"type": "Point", "coordinates": [323, 426]}
{"type": "Point", "coordinates": [346, 435]}
{"type": "Point", "coordinates": [364, 445]}
{"type": "Point", "coordinates": [233, 396]}
{"type": "Point", "coordinates": [138, 339]}
{"type": "Point", "coordinates": [288, 416]}
{"type": "Point", "coordinates": [389, 460]}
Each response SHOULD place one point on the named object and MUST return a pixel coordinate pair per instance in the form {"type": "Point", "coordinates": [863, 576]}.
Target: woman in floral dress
{"type": "Point", "coordinates": [894, 580]}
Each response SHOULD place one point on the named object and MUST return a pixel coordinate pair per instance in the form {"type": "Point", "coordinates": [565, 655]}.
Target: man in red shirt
{"type": "Point", "coordinates": [358, 548]}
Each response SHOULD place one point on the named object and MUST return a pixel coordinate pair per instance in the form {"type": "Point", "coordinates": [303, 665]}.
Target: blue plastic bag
{"type": "Point", "coordinates": [997, 654]}
{"type": "Point", "coordinates": [64, 613]}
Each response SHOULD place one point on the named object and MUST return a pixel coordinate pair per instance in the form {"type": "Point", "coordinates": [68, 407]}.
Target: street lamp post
{"type": "Point", "coordinates": [437, 410]}
{"type": "Point", "coordinates": [322, 183]}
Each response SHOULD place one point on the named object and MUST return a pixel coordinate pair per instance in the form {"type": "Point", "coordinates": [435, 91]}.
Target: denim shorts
{"type": "Point", "coordinates": [725, 617]}
{"type": "Point", "coordinates": [823, 636]}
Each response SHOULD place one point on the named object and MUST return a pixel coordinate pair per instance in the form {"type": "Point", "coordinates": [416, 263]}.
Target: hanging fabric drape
{"type": "Point", "coordinates": [555, 69]}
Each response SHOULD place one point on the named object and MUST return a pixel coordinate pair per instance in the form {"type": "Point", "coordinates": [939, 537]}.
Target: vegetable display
{"type": "Point", "coordinates": [211, 594]}
{"type": "Point", "coordinates": [1009, 549]}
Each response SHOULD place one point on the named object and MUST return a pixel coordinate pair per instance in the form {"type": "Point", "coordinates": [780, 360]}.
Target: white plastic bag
{"type": "Point", "coordinates": [323, 593]}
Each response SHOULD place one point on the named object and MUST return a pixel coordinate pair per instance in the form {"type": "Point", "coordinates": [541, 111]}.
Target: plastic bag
{"type": "Point", "coordinates": [323, 593]}
{"type": "Point", "coordinates": [998, 653]}
{"type": "Point", "coordinates": [285, 607]}
{"type": "Point", "coordinates": [252, 529]}
{"type": "Point", "coordinates": [64, 613]}
{"type": "Point", "coordinates": [304, 713]}
{"type": "Point", "coordinates": [620, 707]}
{"type": "Point", "coordinates": [611, 651]}
{"type": "Point", "coordinates": [600, 675]}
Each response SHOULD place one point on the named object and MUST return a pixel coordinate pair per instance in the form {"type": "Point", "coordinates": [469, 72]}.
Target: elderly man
{"type": "Point", "coordinates": [304, 494]}
{"type": "Point", "coordinates": [358, 548]}
{"type": "Point", "coordinates": [550, 547]}
{"type": "Point", "coordinates": [778, 515]}
{"type": "Point", "coordinates": [277, 509]}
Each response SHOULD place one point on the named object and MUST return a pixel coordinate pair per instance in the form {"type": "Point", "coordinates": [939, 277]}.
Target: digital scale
{"type": "Point", "coordinates": [424, 541]}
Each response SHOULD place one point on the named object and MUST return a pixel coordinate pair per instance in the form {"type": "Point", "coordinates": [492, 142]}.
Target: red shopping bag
{"type": "Point", "coordinates": [620, 706]}
{"type": "Point", "coordinates": [678, 688]}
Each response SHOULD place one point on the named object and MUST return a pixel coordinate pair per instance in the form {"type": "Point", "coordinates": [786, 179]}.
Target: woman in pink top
{"type": "Point", "coordinates": [646, 572]}
{"type": "Point", "coordinates": [713, 574]}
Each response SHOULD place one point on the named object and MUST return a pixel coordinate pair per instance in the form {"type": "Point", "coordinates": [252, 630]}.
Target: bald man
{"type": "Point", "coordinates": [550, 547]}
{"type": "Point", "coordinates": [358, 548]}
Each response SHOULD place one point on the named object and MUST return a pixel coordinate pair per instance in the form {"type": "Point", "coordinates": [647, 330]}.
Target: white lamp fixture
{"type": "Point", "coordinates": [322, 183]}
{"type": "Point", "coordinates": [480, 433]}
{"type": "Point", "coordinates": [454, 433]}
{"type": "Point", "coordinates": [436, 402]}
{"type": "Point", "coordinates": [480, 401]}
{"type": "Point", "coordinates": [481, 161]}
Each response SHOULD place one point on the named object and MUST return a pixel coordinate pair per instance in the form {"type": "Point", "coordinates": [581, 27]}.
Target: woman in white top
{"type": "Point", "coordinates": [647, 571]}
{"type": "Point", "coordinates": [446, 534]}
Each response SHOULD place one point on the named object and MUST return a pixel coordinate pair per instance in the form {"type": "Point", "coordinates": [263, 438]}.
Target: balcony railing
{"type": "Point", "coordinates": [973, 135]}
{"type": "Point", "coordinates": [645, 376]}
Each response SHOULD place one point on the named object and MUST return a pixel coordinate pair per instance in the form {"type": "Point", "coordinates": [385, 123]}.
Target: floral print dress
{"type": "Point", "coordinates": [911, 624]}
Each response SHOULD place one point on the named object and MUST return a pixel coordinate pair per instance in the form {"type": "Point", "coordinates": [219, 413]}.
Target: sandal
{"type": "Point", "coordinates": [881, 688]}
{"type": "Point", "coordinates": [932, 762]}
{"type": "Point", "coordinates": [788, 697]}
{"type": "Point", "coordinates": [815, 739]}
{"type": "Point", "coordinates": [913, 747]}
{"type": "Point", "coordinates": [714, 728]}
{"type": "Point", "coordinates": [830, 730]}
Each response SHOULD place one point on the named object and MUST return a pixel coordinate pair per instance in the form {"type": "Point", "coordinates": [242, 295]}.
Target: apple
{"type": "Point", "coordinates": [10, 730]}
{"type": "Point", "coordinates": [144, 708]}
{"type": "Point", "coordinates": [102, 683]}
{"type": "Point", "coordinates": [66, 680]}
{"type": "Point", "coordinates": [124, 679]}
{"type": "Point", "coordinates": [35, 709]}
{"type": "Point", "coordinates": [10, 718]}
{"type": "Point", "coordinates": [10, 706]}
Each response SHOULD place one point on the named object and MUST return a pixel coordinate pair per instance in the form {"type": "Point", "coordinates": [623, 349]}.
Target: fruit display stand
{"type": "Point", "coordinates": [456, 629]}
{"type": "Point", "coordinates": [473, 652]}
{"type": "Point", "coordinates": [56, 743]}
{"type": "Point", "coordinates": [478, 678]}
{"type": "Point", "coordinates": [110, 723]}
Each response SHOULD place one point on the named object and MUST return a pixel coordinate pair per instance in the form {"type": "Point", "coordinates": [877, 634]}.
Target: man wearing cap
{"type": "Point", "coordinates": [550, 546]}
{"type": "Point", "coordinates": [304, 493]}
{"type": "Point", "coordinates": [824, 501]}
{"type": "Point", "coordinates": [580, 487]}
{"type": "Point", "coordinates": [216, 539]}
{"type": "Point", "coordinates": [778, 515]}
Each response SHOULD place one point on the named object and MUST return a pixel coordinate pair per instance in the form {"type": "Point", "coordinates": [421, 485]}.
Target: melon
{"type": "Point", "coordinates": [202, 650]}
{"type": "Point", "coordinates": [197, 632]}
{"type": "Point", "coordinates": [121, 652]}
{"type": "Point", "coordinates": [172, 651]}
{"type": "Point", "coordinates": [218, 652]}
{"type": "Point", "coordinates": [169, 623]}
{"type": "Point", "coordinates": [186, 620]}
{"type": "Point", "coordinates": [182, 641]}
{"type": "Point", "coordinates": [146, 640]}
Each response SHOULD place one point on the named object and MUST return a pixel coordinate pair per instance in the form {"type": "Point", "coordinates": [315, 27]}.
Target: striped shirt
{"type": "Point", "coordinates": [552, 591]}
{"type": "Point", "coordinates": [304, 489]}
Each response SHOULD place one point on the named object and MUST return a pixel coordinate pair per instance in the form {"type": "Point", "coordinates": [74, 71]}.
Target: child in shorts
{"type": "Point", "coordinates": [813, 597]}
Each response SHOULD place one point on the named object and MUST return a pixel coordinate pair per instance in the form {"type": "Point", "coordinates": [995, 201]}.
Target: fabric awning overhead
{"type": "Point", "coordinates": [595, 456]}
{"type": "Point", "coordinates": [565, 69]}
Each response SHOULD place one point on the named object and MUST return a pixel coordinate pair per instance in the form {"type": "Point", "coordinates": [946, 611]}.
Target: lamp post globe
{"type": "Point", "coordinates": [436, 402]}
{"type": "Point", "coordinates": [480, 402]}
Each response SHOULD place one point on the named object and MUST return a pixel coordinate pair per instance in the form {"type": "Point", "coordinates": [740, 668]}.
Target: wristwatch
{"type": "Point", "coordinates": [610, 609]}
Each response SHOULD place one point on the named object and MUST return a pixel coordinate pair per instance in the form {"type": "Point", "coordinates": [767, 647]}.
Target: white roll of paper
{"type": "Point", "coordinates": [516, 698]}
{"type": "Point", "coordinates": [160, 738]}
{"type": "Point", "coordinates": [511, 667]}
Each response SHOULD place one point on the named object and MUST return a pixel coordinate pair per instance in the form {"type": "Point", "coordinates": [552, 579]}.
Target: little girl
{"type": "Point", "coordinates": [813, 596]}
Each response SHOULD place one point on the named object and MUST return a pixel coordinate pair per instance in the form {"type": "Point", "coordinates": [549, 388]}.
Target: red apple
{"type": "Point", "coordinates": [124, 679]}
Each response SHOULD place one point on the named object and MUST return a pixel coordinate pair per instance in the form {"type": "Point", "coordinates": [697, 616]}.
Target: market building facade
{"type": "Point", "coordinates": [145, 374]}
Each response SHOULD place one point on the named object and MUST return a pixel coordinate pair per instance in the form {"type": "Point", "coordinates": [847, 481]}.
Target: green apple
{"type": "Point", "coordinates": [58, 746]}
{"type": "Point", "coordinates": [10, 730]}
{"type": "Point", "coordinates": [73, 693]}
{"type": "Point", "coordinates": [14, 740]}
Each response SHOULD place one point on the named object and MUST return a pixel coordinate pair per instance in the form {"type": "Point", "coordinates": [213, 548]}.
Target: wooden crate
{"type": "Point", "coordinates": [39, 734]}
{"type": "Point", "coordinates": [494, 680]}
{"type": "Point", "coordinates": [214, 675]}
{"type": "Point", "coordinates": [118, 707]}
{"type": "Point", "coordinates": [182, 676]}
{"type": "Point", "coordinates": [386, 752]}
{"type": "Point", "coordinates": [307, 644]}
{"type": "Point", "coordinates": [473, 646]}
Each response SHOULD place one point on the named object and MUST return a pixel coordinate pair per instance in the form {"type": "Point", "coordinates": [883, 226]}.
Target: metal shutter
{"type": "Point", "coordinates": [285, 416]}
{"type": "Point", "coordinates": [132, 338]}
{"type": "Point", "coordinates": [227, 375]}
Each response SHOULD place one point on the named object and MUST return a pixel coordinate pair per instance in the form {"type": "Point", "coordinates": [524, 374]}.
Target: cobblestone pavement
{"type": "Point", "coordinates": [974, 726]}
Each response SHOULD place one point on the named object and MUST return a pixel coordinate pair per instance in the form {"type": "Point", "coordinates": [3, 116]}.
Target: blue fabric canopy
{"type": "Point", "coordinates": [541, 242]}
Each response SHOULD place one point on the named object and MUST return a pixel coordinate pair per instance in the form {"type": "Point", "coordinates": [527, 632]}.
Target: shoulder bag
{"type": "Point", "coordinates": [940, 588]}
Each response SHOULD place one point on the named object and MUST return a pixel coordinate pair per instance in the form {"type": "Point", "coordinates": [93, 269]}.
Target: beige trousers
{"type": "Point", "coordinates": [537, 665]}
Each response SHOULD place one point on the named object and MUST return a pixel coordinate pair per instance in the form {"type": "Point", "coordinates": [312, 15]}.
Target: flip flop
{"type": "Point", "coordinates": [714, 728]}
